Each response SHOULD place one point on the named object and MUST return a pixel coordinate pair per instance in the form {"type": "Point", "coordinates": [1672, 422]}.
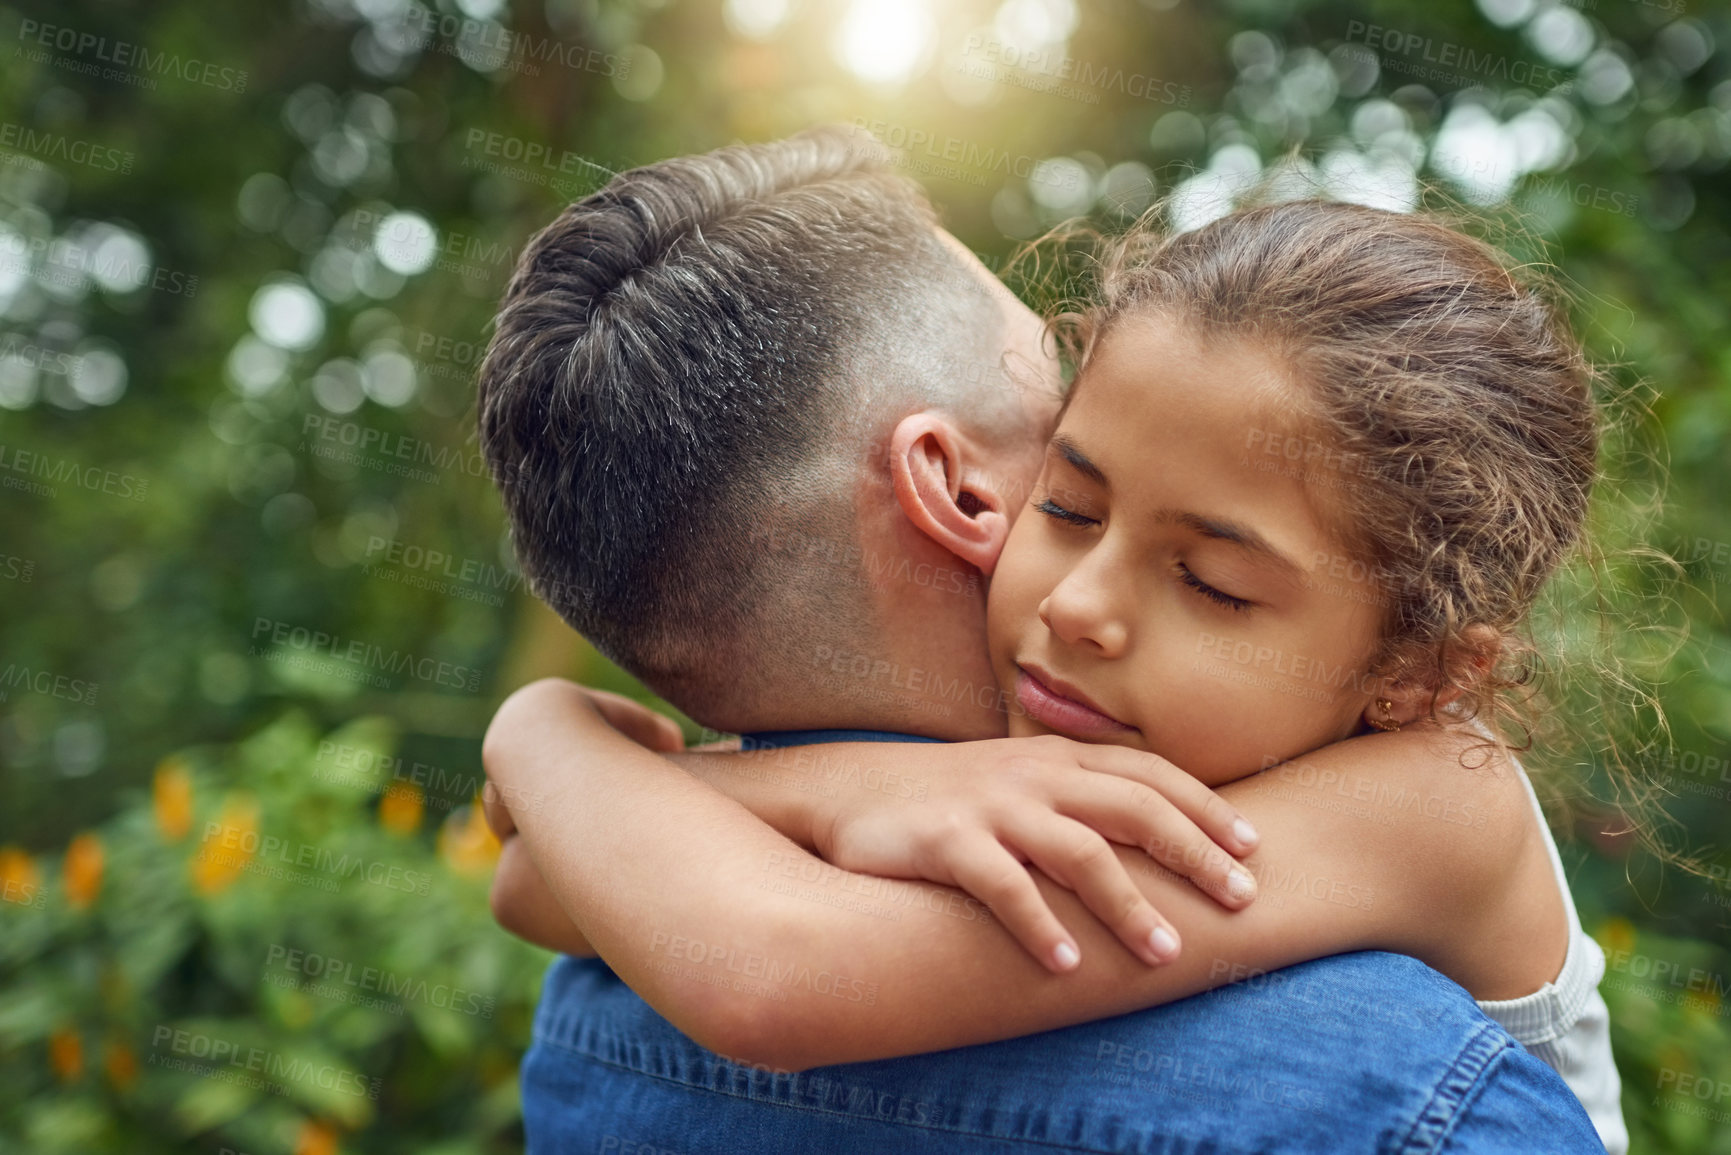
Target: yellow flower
{"type": "Point", "coordinates": [121, 1065]}
{"type": "Point", "coordinates": [171, 797]}
{"type": "Point", "coordinates": [19, 880]}
{"type": "Point", "coordinates": [66, 1054]}
{"type": "Point", "coordinates": [82, 875]}
{"type": "Point", "coordinates": [1704, 1003]}
{"type": "Point", "coordinates": [1676, 1058]}
{"type": "Point", "coordinates": [467, 842]}
{"type": "Point", "coordinates": [227, 851]}
{"type": "Point", "coordinates": [1616, 934]}
{"type": "Point", "coordinates": [400, 809]}
{"type": "Point", "coordinates": [316, 1139]}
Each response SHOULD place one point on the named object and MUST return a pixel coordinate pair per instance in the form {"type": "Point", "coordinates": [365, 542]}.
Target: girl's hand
{"type": "Point", "coordinates": [989, 807]}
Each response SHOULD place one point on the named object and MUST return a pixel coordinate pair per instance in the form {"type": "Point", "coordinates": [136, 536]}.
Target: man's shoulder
{"type": "Point", "coordinates": [1370, 1043]}
{"type": "Point", "coordinates": [1384, 1030]}
{"type": "Point", "coordinates": [1356, 992]}
{"type": "Point", "coordinates": [1357, 1052]}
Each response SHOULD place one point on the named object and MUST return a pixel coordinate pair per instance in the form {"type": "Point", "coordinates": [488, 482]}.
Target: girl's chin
{"type": "Point", "coordinates": [1024, 727]}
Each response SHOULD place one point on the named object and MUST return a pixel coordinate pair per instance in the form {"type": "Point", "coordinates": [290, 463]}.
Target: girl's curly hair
{"type": "Point", "coordinates": [1458, 441]}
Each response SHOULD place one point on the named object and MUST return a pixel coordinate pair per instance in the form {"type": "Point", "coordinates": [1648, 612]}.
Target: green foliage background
{"type": "Point", "coordinates": [175, 486]}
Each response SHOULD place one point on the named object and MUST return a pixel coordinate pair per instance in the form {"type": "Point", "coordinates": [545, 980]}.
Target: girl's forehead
{"type": "Point", "coordinates": [1231, 379]}
{"type": "Point", "coordinates": [1214, 422]}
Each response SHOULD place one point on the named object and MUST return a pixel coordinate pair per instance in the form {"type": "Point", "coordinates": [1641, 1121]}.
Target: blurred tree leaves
{"type": "Point", "coordinates": [248, 256]}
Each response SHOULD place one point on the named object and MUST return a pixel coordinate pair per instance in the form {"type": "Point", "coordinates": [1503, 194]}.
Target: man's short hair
{"type": "Point", "coordinates": [685, 374]}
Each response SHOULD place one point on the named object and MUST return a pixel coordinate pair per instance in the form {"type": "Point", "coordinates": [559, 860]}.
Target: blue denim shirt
{"type": "Point", "coordinates": [1357, 1052]}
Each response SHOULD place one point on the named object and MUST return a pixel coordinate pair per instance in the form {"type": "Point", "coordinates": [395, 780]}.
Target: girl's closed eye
{"type": "Point", "coordinates": [1237, 605]}
{"type": "Point", "coordinates": [1053, 510]}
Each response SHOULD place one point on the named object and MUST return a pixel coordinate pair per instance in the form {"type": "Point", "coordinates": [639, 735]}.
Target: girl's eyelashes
{"type": "Point", "coordinates": [1237, 605]}
{"type": "Point", "coordinates": [1070, 517]}
{"type": "Point", "coordinates": [1053, 510]}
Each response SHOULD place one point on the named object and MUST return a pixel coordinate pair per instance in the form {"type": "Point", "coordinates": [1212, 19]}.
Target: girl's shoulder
{"type": "Point", "coordinates": [1482, 871]}
{"type": "Point", "coordinates": [1454, 806]}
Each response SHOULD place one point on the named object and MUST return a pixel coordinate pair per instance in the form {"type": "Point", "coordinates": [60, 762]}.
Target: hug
{"type": "Point", "coordinates": [1252, 863]}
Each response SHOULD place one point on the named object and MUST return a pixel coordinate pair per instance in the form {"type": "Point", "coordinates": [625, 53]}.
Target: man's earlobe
{"type": "Point", "coordinates": [941, 495]}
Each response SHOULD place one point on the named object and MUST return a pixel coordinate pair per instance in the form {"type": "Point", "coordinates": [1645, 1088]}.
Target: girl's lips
{"type": "Point", "coordinates": [1065, 715]}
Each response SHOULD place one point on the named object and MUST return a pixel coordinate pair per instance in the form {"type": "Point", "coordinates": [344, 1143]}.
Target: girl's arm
{"type": "Point", "coordinates": [995, 806]}
{"type": "Point", "coordinates": [524, 905]}
{"type": "Point", "coordinates": [758, 949]}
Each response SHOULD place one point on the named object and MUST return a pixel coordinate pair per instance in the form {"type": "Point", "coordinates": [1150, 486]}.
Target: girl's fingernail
{"type": "Point", "coordinates": [1244, 832]}
{"type": "Point", "coordinates": [1162, 943]}
{"type": "Point", "coordinates": [1240, 884]}
{"type": "Point", "coordinates": [1066, 956]}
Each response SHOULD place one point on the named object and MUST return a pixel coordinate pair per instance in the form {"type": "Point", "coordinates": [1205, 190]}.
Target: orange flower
{"type": "Point", "coordinates": [66, 1054]}
{"type": "Point", "coordinates": [222, 857]}
{"type": "Point", "coordinates": [400, 809]}
{"type": "Point", "coordinates": [19, 880]}
{"type": "Point", "coordinates": [171, 796]}
{"type": "Point", "coordinates": [121, 1065]}
{"type": "Point", "coordinates": [82, 875]}
{"type": "Point", "coordinates": [316, 1139]}
{"type": "Point", "coordinates": [467, 842]}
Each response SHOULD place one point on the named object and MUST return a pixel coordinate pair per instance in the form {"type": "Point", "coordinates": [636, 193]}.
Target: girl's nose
{"type": "Point", "coordinates": [1079, 611]}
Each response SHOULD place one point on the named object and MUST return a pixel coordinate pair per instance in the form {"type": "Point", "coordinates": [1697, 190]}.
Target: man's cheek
{"type": "Point", "coordinates": [1005, 628]}
{"type": "Point", "coordinates": [1016, 588]}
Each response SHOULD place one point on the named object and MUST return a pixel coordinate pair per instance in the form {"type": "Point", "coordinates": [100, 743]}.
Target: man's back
{"type": "Point", "coordinates": [1360, 1052]}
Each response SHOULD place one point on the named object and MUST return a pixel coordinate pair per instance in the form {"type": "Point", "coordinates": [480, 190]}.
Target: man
{"type": "Point", "coordinates": [708, 377]}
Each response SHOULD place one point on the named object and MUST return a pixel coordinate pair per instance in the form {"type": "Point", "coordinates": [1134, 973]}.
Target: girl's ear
{"type": "Point", "coordinates": [1467, 662]}
{"type": "Point", "coordinates": [947, 501]}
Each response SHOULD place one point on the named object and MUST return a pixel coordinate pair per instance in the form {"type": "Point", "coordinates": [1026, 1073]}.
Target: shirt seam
{"type": "Point", "coordinates": [1446, 1103]}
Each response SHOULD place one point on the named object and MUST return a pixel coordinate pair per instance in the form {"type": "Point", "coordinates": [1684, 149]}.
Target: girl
{"type": "Point", "coordinates": [1318, 462]}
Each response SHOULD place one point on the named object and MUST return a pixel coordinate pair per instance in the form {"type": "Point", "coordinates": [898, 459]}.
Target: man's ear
{"type": "Point", "coordinates": [941, 495]}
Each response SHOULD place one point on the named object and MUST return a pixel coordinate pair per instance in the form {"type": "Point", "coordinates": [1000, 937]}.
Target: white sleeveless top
{"type": "Point", "coordinates": [1565, 1023]}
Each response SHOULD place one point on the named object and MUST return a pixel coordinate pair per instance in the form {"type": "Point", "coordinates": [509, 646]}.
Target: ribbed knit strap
{"type": "Point", "coordinates": [1551, 1011]}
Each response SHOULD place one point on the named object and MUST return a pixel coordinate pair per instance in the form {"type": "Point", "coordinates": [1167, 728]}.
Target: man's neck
{"type": "Point", "coordinates": [907, 689]}
{"type": "Point", "coordinates": [886, 695]}
{"type": "Point", "coordinates": [922, 668]}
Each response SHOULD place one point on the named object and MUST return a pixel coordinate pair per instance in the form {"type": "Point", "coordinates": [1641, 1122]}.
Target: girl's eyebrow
{"type": "Point", "coordinates": [1219, 529]}
{"type": "Point", "coordinates": [1234, 532]}
{"type": "Point", "coordinates": [1079, 461]}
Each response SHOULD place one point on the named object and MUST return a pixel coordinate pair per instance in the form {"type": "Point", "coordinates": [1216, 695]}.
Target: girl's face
{"type": "Point", "coordinates": [1174, 585]}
